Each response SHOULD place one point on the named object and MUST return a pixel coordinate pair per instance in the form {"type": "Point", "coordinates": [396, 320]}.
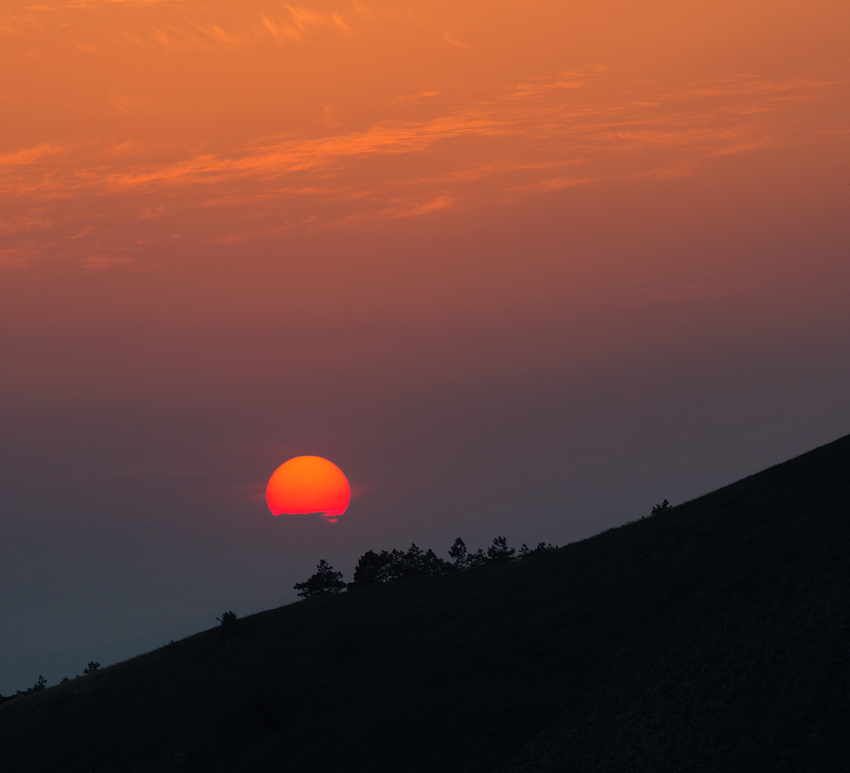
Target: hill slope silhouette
{"type": "Point", "coordinates": [714, 636]}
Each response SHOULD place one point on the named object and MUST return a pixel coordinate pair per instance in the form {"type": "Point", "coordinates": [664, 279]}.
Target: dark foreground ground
{"type": "Point", "coordinates": [712, 637]}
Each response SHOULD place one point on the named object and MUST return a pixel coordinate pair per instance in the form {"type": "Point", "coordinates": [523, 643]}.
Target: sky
{"type": "Point", "coordinates": [518, 268]}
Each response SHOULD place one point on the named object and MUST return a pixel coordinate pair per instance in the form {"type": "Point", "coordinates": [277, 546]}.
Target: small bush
{"type": "Point", "coordinates": [40, 684]}
{"type": "Point", "coordinates": [542, 547]}
{"type": "Point", "coordinates": [229, 623]}
{"type": "Point", "coordinates": [662, 508]}
{"type": "Point", "coordinates": [91, 667]}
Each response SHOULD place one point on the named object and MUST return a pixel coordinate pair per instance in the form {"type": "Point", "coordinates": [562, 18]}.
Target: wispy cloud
{"type": "Point", "coordinates": [452, 42]}
{"type": "Point", "coordinates": [278, 158]}
{"type": "Point", "coordinates": [534, 137]}
{"type": "Point", "coordinates": [87, 231]}
{"type": "Point", "coordinates": [103, 262]}
{"type": "Point", "coordinates": [25, 223]}
{"type": "Point", "coordinates": [403, 209]}
{"type": "Point", "coordinates": [23, 253]}
{"type": "Point", "coordinates": [28, 156]}
{"type": "Point", "coordinates": [552, 184]}
{"type": "Point", "coordinates": [289, 24]}
{"type": "Point", "coordinates": [567, 80]}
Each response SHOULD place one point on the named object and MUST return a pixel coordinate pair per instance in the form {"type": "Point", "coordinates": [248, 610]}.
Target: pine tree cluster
{"type": "Point", "coordinates": [394, 565]}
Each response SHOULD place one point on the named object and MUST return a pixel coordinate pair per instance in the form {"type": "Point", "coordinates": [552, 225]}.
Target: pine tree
{"type": "Point", "coordinates": [322, 583]}
{"type": "Point", "coordinates": [372, 567]}
{"type": "Point", "coordinates": [476, 559]}
{"type": "Point", "coordinates": [499, 552]}
{"type": "Point", "coordinates": [459, 554]}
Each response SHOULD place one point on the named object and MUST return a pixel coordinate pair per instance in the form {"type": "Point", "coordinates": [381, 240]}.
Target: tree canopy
{"type": "Point", "coordinates": [392, 565]}
{"type": "Point", "coordinates": [324, 582]}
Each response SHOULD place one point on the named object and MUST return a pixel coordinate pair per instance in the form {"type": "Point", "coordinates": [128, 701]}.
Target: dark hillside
{"type": "Point", "coordinates": [714, 636]}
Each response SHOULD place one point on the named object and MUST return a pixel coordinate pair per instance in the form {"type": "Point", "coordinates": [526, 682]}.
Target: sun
{"type": "Point", "coordinates": [308, 484]}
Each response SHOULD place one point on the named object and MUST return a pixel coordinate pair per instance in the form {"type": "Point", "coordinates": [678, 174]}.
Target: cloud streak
{"type": "Point", "coordinates": [460, 148]}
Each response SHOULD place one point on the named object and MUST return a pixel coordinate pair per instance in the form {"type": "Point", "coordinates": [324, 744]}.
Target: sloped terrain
{"type": "Point", "coordinates": [710, 637]}
{"type": "Point", "coordinates": [751, 669]}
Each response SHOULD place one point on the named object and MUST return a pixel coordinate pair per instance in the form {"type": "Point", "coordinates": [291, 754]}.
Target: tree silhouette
{"type": "Point", "coordinates": [91, 667]}
{"type": "Point", "coordinates": [542, 547]}
{"type": "Point", "coordinates": [229, 623]}
{"type": "Point", "coordinates": [476, 559]}
{"type": "Point", "coordinates": [662, 508]}
{"type": "Point", "coordinates": [372, 567]}
{"type": "Point", "coordinates": [499, 552]}
{"type": "Point", "coordinates": [40, 684]}
{"type": "Point", "coordinates": [459, 554]}
{"type": "Point", "coordinates": [419, 563]}
{"type": "Point", "coordinates": [322, 583]}
{"type": "Point", "coordinates": [394, 569]}
{"type": "Point", "coordinates": [391, 565]}
{"type": "Point", "coordinates": [388, 566]}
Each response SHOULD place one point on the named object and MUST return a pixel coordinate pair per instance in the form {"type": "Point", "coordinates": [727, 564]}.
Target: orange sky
{"type": "Point", "coordinates": [126, 126]}
{"type": "Point", "coordinates": [520, 268]}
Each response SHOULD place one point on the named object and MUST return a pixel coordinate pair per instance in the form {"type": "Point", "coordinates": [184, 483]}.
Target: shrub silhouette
{"type": "Point", "coordinates": [662, 508]}
{"type": "Point", "coordinates": [39, 685]}
{"type": "Point", "coordinates": [229, 623]}
{"type": "Point", "coordinates": [324, 582]}
{"type": "Point", "coordinates": [542, 547]}
{"type": "Point", "coordinates": [91, 667]}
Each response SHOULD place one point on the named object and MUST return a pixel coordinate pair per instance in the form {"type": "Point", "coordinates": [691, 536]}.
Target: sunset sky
{"type": "Point", "coordinates": [519, 268]}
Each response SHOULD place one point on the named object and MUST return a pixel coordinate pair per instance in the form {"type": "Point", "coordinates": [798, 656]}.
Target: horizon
{"type": "Point", "coordinates": [118, 651]}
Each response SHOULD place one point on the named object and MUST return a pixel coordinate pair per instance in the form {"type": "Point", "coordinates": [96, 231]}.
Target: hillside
{"type": "Point", "coordinates": [715, 636]}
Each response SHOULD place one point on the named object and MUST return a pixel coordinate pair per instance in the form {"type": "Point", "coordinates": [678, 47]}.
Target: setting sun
{"type": "Point", "coordinates": [308, 484]}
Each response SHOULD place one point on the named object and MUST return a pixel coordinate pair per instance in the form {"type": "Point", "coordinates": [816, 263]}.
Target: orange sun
{"type": "Point", "coordinates": [308, 484]}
